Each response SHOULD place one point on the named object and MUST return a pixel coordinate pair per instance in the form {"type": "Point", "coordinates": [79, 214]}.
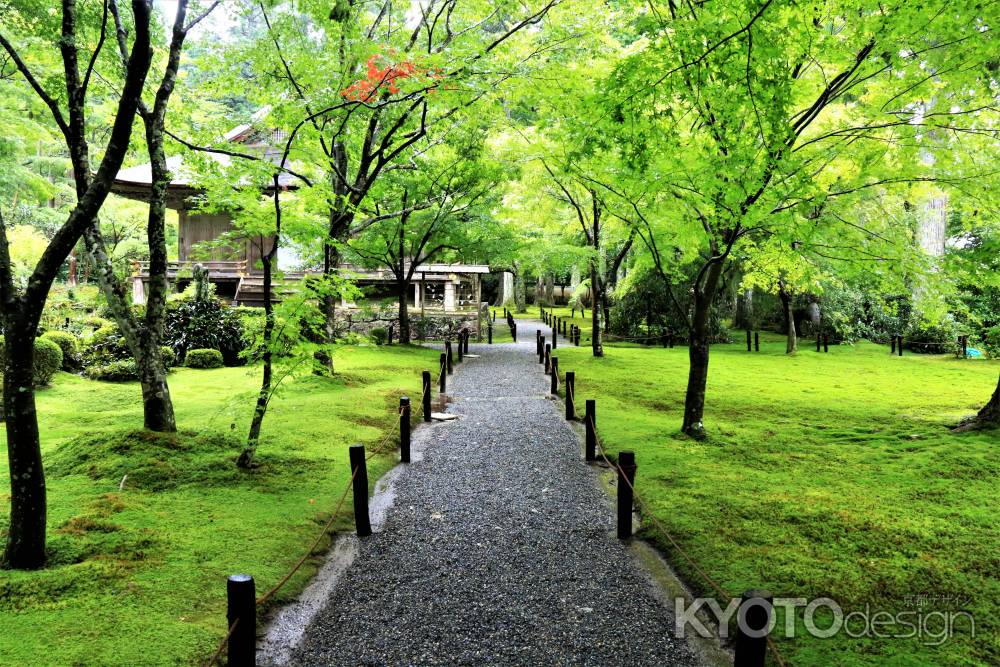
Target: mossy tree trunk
{"type": "Point", "coordinates": [987, 417]}
{"type": "Point", "coordinates": [21, 310]}
{"type": "Point", "coordinates": [791, 345]}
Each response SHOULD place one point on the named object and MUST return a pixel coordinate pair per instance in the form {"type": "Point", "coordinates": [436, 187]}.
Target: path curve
{"type": "Point", "coordinates": [499, 548]}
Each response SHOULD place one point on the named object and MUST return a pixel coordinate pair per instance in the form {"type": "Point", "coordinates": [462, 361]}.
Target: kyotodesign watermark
{"type": "Point", "coordinates": [932, 624]}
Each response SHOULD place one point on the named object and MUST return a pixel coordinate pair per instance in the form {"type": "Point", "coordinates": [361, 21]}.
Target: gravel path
{"type": "Point", "coordinates": [499, 548]}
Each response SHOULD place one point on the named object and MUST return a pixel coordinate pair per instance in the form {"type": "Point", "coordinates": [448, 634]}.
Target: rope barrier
{"type": "Point", "coordinates": [659, 526]}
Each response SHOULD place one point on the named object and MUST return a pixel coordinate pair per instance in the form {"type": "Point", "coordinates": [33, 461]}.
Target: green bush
{"type": "Point", "coordinates": [202, 324]}
{"type": "Point", "coordinates": [48, 360]}
{"type": "Point", "coordinates": [203, 358]}
{"type": "Point", "coordinates": [379, 335]}
{"type": "Point", "coordinates": [115, 371]}
{"type": "Point", "coordinates": [932, 338]}
{"type": "Point", "coordinates": [991, 341]}
{"type": "Point", "coordinates": [105, 345]}
{"type": "Point", "coordinates": [169, 356]}
{"type": "Point", "coordinates": [67, 343]}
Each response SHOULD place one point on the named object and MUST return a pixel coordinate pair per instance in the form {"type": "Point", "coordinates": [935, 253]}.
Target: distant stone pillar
{"type": "Point", "coordinates": [506, 288]}
{"type": "Point", "coordinates": [138, 291]}
{"type": "Point", "coordinates": [449, 297]}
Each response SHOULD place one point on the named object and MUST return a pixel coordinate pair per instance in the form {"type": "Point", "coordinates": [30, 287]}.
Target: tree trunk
{"type": "Point", "coordinates": [245, 459]}
{"type": "Point", "coordinates": [791, 346]}
{"type": "Point", "coordinates": [404, 312]}
{"type": "Point", "coordinates": [595, 310]}
{"type": "Point", "coordinates": [988, 417]}
{"type": "Point", "coordinates": [519, 291]}
{"type": "Point", "coordinates": [698, 352]}
{"type": "Point", "coordinates": [26, 539]}
{"type": "Point", "coordinates": [550, 290]}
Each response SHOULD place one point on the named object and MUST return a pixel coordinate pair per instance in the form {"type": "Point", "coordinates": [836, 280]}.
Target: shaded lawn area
{"type": "Point", "coordinates": [137, 576]}
{"type": "Point", "coordinates": [825, 475]}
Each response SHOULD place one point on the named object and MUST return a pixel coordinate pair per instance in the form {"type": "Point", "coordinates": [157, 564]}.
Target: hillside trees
{"type": "Point", "coordinates": [731, 115]}
{"type": "Point", "coordinates": [22, 308]}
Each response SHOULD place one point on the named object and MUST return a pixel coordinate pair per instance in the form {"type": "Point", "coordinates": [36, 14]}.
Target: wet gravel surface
{"type": "Point", "coordinates": [499, 549]}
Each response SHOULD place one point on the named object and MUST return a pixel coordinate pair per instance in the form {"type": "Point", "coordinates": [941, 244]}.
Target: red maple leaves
{"type": "Point", "coordinates": [379, 78]}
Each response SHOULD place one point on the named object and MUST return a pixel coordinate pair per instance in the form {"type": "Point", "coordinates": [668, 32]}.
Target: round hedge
{"type": "Point", "coordinates": [203, 358]}
{"type": "Point", "coordinates": [114, 371]}
{"type": "Point", "coordinates": [48, 360]}
{"type": "Point", "coordinates": [67, 343]}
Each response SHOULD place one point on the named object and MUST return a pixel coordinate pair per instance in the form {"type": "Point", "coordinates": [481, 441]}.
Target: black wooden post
{"type": "Point", "coordinates": [538, 342]}
{"type": "Point", "coordinates": [570, 397]}
{"type": "Point", "coordinates": [489, 333]}
{"type": "Point", "coordinates": [753, 625]}
{"type": "Point", "coordinates": [404, 429]}
{"type": "Point", "coordinates": [389, 341]}
{"type": "Point", "coordinates": [460, 347]}
{"type": "Point", "coordinates": [494, 314]}
{"type": "Point", "coordinates": [819, 341]}
{"type": "Point", "coordinates": [426, 398]}
{"type": "Point", "coordinates": [513, 332]}
{"type": "Point", "coordinates": [555, 335]}
{"type": "Point", "coordinates": [466, 340]}
{"type": "Point", "coordinates": [899, 346]}
{"type": "Point", "coordinates": [554, 385]}
{"type": "Point", "coordinates": [548, 358]}
{"type": "Point", "coordinates": [578, 336]}
{"type": "Point", "coordinates": [893, 343]}
{"type": "Point", "coordinates": [591, 421]}
{"type": "Point", "coordinates": [626, 478]}
{"type": "Point", "coordinates": [826, 343]}
{"type": "Point", "coordinates": [241, 608]}
{"type": "Point", "coordinates": [360, 471]}
{"type": "Point", "coordinates": [541, 350]}
{"type": "Point", "coordinates": [451, 358]}
{"type": "Point", "coordinates": [749, 348]}
{"type": "Point", "coordinates": [965, 347]}
{"type": "Point", "coordinates": [443, 379]}
{"type": "Point", "coordinates": [756, 341]}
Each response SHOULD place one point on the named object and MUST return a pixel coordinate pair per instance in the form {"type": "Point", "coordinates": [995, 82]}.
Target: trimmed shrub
{"type": "Point", "coordinates": [203, 358]}
{"type": "Point", "coordinates": [107, 344]}
{"type": "Point", "coordinates": [67, 343]}
{"type": "Point", "coordinates": [932, 338]}
{"type": "Point", "coordinates": [169, 357]}
{"type": "Point", "coordinates": [115, 371]}
{"type": "Point", "coordinates": [48, 360]}
{"type": "Point", "coordinates": [991, 341]}
{"type": "Point", "coordinates": [379, 335]}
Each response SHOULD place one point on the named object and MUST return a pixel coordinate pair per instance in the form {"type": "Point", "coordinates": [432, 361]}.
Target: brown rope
{"type": "Point", "coordinates": [659, 526]}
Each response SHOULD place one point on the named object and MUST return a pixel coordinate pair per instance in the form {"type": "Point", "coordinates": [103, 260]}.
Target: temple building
{"type": "Point", "coordinates": [235, 268]}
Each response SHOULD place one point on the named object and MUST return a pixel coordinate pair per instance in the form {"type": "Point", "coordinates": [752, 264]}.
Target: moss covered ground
{"type": "Point", "coordinates": [825, 475]}
{"type": "Point", "coordinates": [137, 574]}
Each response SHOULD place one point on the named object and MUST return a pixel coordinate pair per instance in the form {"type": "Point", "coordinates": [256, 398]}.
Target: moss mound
{"type": "Point", "coordinates": [152, 461]}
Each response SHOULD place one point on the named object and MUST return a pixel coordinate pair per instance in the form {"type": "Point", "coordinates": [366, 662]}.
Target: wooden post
{"type": "Point", "coordinates": [753, 625]}
{"type": "Point", "coordinates": [899, 346]}
{"type": "Point", "coordinates": [554, 385]}
{"type": "Point", "coordinates": [513, 332]}
{"type": "Point", "coordinates": [570, 397]}
{"type": "Point", "coordinates": [756, 341]}
{"type": "Point", "coordinates": [443, 379]}
{"type": "Point", "coordinates": [426, 398]}
{"type": "Point", "coordinates": [538, 342]}
{"type": "Point", "coordinates": [965, 347]}
{"type": "Point", "coordinates": [541, 350]}
{"type": "Point", "coordinates": [818, 341]}
{"type": "Point", "coordinates": [361, 521]}
{"type": "Point", "coordinates": [578, 336]}
{"type": "Point", "coordinates": [451, 360]}
{"type": "Point", "coordinates": [626, 478]}
{"type": "Point", "coordinates": [389, 340]}
{"type": "Point", "coordinates": [555, 334]}
{"type": "Point", "coordinates": [749, 348]}
{"type": "Point", "coordinates": [826, 343]}
{"type": "Point", "coordinates": [489, 333]}
{"type": "Point", "coordinates": [466, 340]}
{"type": "Point", "coordinates": [494, 314]}
{"type": "Point", "coordinates": [241, 608]}
{"type": "Point", "coordinates": [893, 350]}
{"type": "Point", "coordinates": [548, 358]}
{"type": "Point", "coordinates": [591, 422]}
{"type": "Point", "coordinates": [460, 347]}
{"type": "Point", "coordinates": [404, 429]}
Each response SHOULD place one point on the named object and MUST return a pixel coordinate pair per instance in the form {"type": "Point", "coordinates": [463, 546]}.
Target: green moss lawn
{"type": "Point", "coordinates": [825, 475]}
{"type": "Point", "coordinates": [137, 575]}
